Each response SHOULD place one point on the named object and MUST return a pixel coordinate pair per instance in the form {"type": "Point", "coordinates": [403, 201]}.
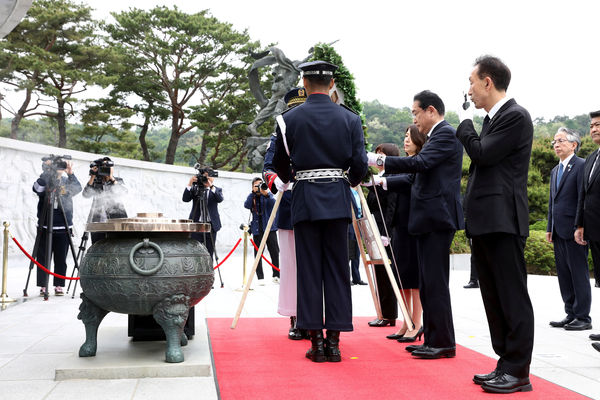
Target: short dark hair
{"type": "Point", "coordinates": [493, 67]}
{"type": "Point", "coordinates": [595, 114]}
{"type": "Point", "coordinates": [427, 98]}
{"type": "Point", "coordinates": [389, 149]}
{"type": "Point", "coordinates": [416, 137]}
{"type": "Point", "coordinates": [320, 80]}
{"type": "Point", "coordinates": [256, 180]}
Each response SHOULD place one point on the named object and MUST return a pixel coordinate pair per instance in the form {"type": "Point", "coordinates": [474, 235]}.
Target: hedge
{"type": "Point", "coordinates": [539, 254]}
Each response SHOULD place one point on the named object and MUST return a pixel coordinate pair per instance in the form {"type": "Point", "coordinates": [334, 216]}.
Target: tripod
{"type": "Point", "coordinates": [79, 257]}
{"type": "Point", "coordinates": [51, 201]}
{"type": "Point", "coordinates": [200, 195]}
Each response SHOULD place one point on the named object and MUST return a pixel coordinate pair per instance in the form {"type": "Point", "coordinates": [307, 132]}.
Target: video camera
{"type": "Point", "coordinates": [198, 186]}
{"type": "Point", "coordinates": [56, 162]}
{"type": "Point", "coordinates": [103, 164]}
{"type": "Point", "coordinates": [205, 170]}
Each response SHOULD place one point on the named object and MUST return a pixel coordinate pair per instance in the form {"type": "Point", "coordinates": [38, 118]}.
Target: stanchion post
{"type": "Point", "coordinates": [4, 297]}
{"type": "Point", "coordinates": [245, 256]}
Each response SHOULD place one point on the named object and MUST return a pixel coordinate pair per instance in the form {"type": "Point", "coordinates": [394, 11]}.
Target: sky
{"type": "Point", "coordinates": [395, 49]}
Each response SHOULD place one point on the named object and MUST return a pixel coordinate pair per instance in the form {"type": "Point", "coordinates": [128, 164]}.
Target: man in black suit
{"type": "Point", "coordinates": [571, 258]}
{"type": "Point", "coordinates": [316, 143]}
{"type": "Point", "coordinates": [497, 220]}
{"type": "Point", "coordinates": [205, 197]}
{"type": "Point", "coordinates": [435, 215]}
{"type": "Point", "coordinates": [588, 210]}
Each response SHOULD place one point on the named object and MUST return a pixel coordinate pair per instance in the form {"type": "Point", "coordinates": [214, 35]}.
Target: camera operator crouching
{"type": "Point", "coordinates": [107, 191]}
{"type": "Point", "coordinates": [260, 202]}
{"type": "Point", "coordinates": [205, 199]}
{"type": "Point", "coordinates": [53, 181]}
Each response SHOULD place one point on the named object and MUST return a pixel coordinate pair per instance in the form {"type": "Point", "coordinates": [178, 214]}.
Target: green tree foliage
{"type": "Point", "coordinates": [105, 130]}
{"type": "Point", "coordinates": [386, 124]}
{"type": "Point", "coordinates": [184, 54]}
{"type": "Point", "coordinates": [135, 89]}
{"type": "Point", "coordinates": [53, 54]}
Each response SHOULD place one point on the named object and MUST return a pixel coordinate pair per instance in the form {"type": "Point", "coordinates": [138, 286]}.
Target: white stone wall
{"type": "Point", "coordinates": [152, 187]}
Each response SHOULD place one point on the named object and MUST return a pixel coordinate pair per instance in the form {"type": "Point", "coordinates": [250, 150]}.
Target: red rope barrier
{"type": "Point", "coordinates": [40, 265]}
{"type": "Point", "coordinates": [227, 256]}
{"type": "Point", "coordinates": [65, 277]}
{"type": "Point", "coordinates": [263, 256]}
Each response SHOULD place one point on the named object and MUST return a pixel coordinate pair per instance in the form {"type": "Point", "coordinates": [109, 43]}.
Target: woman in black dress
{"type": "Point", "coordinates": [404, 245]}
{"type": "Point", "coordinates": [384, 218]}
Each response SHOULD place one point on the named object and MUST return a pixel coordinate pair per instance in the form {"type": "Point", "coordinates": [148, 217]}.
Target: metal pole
{"type": "Point", "coordinates": [245, 256]}
{"type": "Point", "coordinates": [4, 296]}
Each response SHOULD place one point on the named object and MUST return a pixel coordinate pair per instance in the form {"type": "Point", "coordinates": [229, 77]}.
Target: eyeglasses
{"type": "Point", "coordinates": [558, 141]}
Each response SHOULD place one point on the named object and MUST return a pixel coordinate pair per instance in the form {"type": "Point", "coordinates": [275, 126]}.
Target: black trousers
{"type": "Point", "coordinates": [273, 247]}
{"type": "Point", "coordinates": [353, 254]}
{"type": "Point", "coordinates": [500, 262]}
{"type": "Point", "coordinates": [323, 275]}
{"type": "Point", "coordinates": [387, 297]}
{"type": "Point", "coordinates": [60, 247]}
{"type": "Point", "coordinates": [573, 277]}
{"type": "Point", "coordinates": [207, 239]}
{"type": "Point", "coordinates": [433, 252]}
{"type": "Point", "coordinates": [595, 249]}
{"type": "Point", "coordinates": [473, 277]}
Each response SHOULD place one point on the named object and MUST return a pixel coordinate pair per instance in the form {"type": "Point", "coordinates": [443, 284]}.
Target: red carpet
{"type": "Point", "coordinates": [257, 361]}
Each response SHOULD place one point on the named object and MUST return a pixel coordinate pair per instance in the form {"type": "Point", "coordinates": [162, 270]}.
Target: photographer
{"type": "Point", "coordinates": [260, 202]}
{"type": "Point", "coordinates": [205, 199]}
{"type": "Point", "coordinates": [53, 179]}
{"type": "Point", "coordinates": [106, 189]}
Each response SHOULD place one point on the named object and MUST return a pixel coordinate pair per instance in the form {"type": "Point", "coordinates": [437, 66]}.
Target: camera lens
{"type": "Point", "coordinates": [263, 186]}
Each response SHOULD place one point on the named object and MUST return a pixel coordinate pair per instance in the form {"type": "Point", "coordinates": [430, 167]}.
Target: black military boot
{"type": "Point", "coordinates": [332, 346]}
{"type": "Point", "coordinates": [317, 351]}
{"type": "Point", "coordinates": [294, 332]}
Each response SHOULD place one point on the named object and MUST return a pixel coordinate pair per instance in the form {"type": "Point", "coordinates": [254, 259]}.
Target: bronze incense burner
{"type": "Point", "coordinates": [147, 265]}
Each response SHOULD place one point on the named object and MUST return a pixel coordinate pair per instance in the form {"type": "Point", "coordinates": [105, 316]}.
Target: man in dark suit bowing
{"type": "Point", "coordinates": [497, 220]}
{"type": "Point", "coordinates": [570, 257]}
{"type": "Point", "coordinates": [588, 209]}
{"type": "Point", "coordinates": [435, 215]}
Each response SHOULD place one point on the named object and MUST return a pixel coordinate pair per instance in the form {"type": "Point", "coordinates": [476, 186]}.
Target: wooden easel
{"type": "Point", "coordinates": [371, 241]}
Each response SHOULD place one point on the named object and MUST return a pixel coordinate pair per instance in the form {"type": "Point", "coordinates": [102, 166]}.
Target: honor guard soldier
{"type": "Point", "coordinates": [321, 145]}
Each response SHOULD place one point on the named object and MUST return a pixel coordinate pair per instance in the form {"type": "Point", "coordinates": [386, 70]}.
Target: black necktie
{"type": "Point", "coordinates": [486, 124]}
{"type": "Point", "coordinates": [593, 166]}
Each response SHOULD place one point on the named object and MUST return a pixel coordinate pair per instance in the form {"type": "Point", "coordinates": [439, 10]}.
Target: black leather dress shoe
{"type": "Point", "coordinates": [578, 325]}
{"type": "Point", "coordinates": [412, 347]}
{"type": "Point", "coordinates": [478, 379]}
{"type": "Point", "coordinates": [394, 336]}
{"type": "Point", "coordinates": [471, 285]}
{"type": "Point", "coordinates": [505, 383]}
{"type": "Point", "coordinates": [597, 284]}
{"type": "Point", "coordinates": [383, 322]}
{"type": "Point", "coordinates": [595, 336]}
{"type": "Point", "coordinates": [560, 324]}
{"type": "Point", "coordinates": [432, 353]}
{"type": "Point", "coordinates": [596, 345]}
{"type": "Point", "coordinates": [361, 283]}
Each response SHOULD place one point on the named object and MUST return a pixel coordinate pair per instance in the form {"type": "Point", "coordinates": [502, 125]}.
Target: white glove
{"type": "Point", "coordinates": [282, 187]}
{"type": "Point", "coordinates": [279, 184]}
{"type": "Point", "coordinates": [372, 158]}
{"type": "Point", "coordinates": [385, 240]}
{"type": "Point", "coordinates": [377, 179]}
{"type": "Point", "coordinates": [468, 113]}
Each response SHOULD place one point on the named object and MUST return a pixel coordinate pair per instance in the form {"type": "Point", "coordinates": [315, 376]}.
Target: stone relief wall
{"type": "Point", "coordinates": [152, 187]}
